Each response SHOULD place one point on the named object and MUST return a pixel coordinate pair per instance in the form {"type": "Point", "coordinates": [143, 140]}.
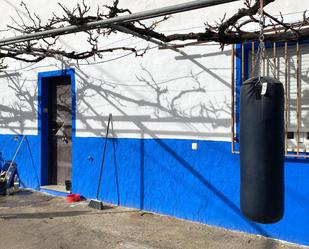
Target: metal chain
{"type": "Point", "coordinates": [261, 50]}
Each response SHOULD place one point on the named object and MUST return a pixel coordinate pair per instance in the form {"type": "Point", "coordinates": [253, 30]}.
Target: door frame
{"type": "Point", "coordinates": [43, 78]}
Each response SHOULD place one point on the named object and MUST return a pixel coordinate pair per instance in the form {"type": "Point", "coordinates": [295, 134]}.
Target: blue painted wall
{"type": "Point", "coordinates": [28, 159]}
{"type": "Point", "coordinates": [167, 177]}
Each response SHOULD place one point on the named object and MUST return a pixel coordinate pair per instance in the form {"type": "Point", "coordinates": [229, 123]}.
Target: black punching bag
{"type": "Point", "coordinates": [262, 149]}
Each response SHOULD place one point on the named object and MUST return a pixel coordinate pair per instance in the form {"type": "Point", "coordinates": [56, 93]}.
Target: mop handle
{"type": "Point", "coordinates": [15, 155]}
{"type": "Point", "coordinates": [103, 156]}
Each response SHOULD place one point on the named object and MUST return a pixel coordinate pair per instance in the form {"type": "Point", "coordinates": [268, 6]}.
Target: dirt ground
{"type": "Point", "coordinates": [35, 220]}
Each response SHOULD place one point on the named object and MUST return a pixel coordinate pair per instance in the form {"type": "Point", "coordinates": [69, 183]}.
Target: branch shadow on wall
{"type": "Point", "coordinates": [17, 113]}
{"type": "Point", "coordinates": [163, 110]}
{"type": "Point", "coordinates": [117, 102]}
{"type": "Point", "coordinates": [17, 110]}
{"type": "Point", "coordinates": [160, 106]}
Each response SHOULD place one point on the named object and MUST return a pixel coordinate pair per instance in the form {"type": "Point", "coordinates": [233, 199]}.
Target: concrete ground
{"type": "Point", "coordinates": [35, 220]}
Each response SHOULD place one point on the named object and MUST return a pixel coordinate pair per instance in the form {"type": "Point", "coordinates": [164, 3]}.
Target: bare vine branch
{"type": "Point", "coordinates": [225, 31]}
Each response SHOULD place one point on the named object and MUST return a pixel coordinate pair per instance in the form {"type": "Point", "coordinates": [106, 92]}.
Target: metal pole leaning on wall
{"type": "Point", "coordinates": [17, 150]}
{"type": "Point", "coordinates": [15, 155]}
{"type": "Point", "coordinates": [143, 15]}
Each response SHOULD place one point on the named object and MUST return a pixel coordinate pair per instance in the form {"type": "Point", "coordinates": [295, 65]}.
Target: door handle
{"type": "Point", "coordinates": [65, 139]}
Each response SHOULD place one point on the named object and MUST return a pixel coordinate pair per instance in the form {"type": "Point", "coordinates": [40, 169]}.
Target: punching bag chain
{"type": "Point", "coordinates": [261, 49]}
{"type": "Point", "coordinates": [261, 54]}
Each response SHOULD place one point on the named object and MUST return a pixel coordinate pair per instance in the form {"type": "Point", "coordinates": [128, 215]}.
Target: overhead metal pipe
{"type": "Point", "coordinates": [129, 31]}
{"type": "Point", "coordinates": [143, 15]}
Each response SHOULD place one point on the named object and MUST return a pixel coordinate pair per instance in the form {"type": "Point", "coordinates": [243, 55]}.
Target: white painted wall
{"type": "Point", "coordinates": [163, 94]}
